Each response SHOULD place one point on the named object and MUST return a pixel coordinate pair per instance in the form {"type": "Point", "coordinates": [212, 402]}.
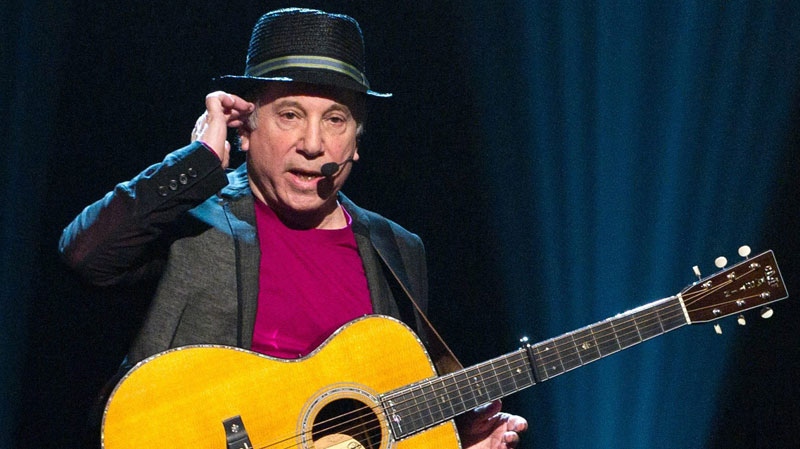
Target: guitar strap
{"type": "Point", "coordinates": [443, 357]}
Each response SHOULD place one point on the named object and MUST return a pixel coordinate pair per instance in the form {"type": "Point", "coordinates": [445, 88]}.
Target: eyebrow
{"type": "Point", "coordinates": [336, 106]}
{"type": "Point", "coordinates": [285, 102]}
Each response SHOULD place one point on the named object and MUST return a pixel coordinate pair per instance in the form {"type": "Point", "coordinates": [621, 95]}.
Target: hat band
{"type": "Point", "coordinates": [308, 62]}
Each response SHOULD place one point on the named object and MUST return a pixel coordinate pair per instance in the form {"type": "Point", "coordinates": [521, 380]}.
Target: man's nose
{"type": "Point", "coordinates": [312, 140]}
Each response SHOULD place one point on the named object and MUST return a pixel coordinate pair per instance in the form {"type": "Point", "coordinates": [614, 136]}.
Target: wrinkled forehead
{"type": "Point", "coordinates": [270, 92]}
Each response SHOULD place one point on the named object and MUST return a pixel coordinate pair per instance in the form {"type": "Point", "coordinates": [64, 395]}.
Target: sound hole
{"type": "Point", "coordinates": [347, 417]}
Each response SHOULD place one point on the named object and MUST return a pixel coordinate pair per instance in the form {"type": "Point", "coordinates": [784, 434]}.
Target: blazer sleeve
{"type": "Point", "coordinates": [118, 239]}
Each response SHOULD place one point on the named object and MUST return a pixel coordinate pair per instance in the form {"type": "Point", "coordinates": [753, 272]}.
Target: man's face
{"type": "Point", "coordinates": [299, 128]}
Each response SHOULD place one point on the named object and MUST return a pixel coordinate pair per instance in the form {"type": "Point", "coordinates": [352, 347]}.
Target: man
{"type": "Point", "coordinates": [253, 258]}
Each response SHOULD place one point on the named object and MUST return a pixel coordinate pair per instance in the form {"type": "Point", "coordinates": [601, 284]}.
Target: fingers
{"type": "Point", "coordinates": [511, 439]}
{"type": "Point", "coordinates": [514, 426]}
{"type": "Point", "coordinates": [513, 423]}
{"type": "Point", "coordinates": [223, 110]}
{"type": "Point", "coordinates": [517, 423]}
{"type": "Point", "coordinates": [488, 428]}
{"type": "Point", "coordinates": [491, 408]}
{"type": "Point", "coordinates": [199, 127]}
{"type": "Point", "coordinates": [234, 108]}
{"type": "Point", "coordinates": [210, 129]}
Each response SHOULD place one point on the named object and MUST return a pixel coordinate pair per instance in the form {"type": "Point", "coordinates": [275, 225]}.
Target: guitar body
{"type": "Point", "coordinates": [181, 398]}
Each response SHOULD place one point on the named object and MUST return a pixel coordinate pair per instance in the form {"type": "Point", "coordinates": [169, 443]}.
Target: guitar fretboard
{"type": "Point", "coordinates": [422, 405]}
{"type": "Point", "coordinates": [577, 348]}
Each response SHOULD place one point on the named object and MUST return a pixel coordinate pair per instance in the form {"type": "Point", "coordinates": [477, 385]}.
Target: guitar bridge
{"type": "Point", "coordinates": [235, 433]}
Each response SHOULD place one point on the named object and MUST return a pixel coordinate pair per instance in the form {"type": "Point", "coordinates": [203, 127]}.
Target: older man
{"type": "Point", "coordinates": [269, 257]}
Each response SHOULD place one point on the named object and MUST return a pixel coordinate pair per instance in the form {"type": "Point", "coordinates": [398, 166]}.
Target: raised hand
{"type": "Point", "coordinates": [223, 111]}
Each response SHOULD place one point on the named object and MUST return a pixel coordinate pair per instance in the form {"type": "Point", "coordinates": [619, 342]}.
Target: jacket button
{"type": "Point", "coordinates": [173, 184]}
{"type": "Point", "coordinates": [162, 190]}
{"type": "Point", "coordinates": [192, 172]}
{"type": "Point", "coordinates": [183, 179]}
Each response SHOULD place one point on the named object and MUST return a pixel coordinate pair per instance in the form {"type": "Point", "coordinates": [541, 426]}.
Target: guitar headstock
{"type": "Point", "coordinates": [751, 283]}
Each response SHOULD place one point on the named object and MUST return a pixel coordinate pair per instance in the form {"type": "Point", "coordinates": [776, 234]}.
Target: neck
{"type": "Point", "coordinates": [330, 217]}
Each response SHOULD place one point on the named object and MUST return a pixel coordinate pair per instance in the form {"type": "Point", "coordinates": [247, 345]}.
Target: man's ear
{"type": "Point", "coordinates": [244, 138]}
{"type": "Point", "coordinates": [355, 154]}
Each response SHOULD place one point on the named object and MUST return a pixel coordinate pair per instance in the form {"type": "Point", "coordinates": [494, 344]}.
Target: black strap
{"type": "Point", "coordinates": [444, 358]}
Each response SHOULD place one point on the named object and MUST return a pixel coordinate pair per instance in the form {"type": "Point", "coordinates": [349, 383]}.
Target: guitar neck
{"type": "Point", "coordinates": [419, 406]}
{"type": "Point", "coordinates": [593, 342]}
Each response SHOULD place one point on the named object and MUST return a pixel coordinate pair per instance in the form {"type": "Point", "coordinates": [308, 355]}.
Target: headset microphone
{"type": "Point", "coordinates": [331, 168]}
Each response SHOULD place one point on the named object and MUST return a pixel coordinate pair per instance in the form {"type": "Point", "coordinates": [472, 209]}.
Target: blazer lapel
{"type": "Point", "coordinates": [240, 212]}
{"type": "Point", "coordinates": [378, 249]}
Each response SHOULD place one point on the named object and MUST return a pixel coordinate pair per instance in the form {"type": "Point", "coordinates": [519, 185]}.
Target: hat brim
{"type": "Point", "coordinates": [241, 84]}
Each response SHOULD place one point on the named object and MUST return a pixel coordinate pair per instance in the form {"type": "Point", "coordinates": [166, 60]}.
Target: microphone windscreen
{"type": "Point", "coordinates": [329, 169]}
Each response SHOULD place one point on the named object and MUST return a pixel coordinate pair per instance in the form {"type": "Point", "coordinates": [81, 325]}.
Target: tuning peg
{"type": "Point", "coordinates": [741, 320]}
{"type": "Point", "coordinates": [744, 251]}
{"type": "Point", "coordinates": [696, 270]}
{"type": "Point", "coordinates": [718, 329]}
{"type": "Point", "coordinates": [767, 313]}
{"type": "Point", "coordinates": [720, 262]}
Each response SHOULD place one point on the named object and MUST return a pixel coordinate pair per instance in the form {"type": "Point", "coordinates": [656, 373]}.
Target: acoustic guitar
{"type": "Point", "coordinates": [372, 384]}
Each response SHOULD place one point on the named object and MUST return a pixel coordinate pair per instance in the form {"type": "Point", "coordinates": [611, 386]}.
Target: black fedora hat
{"type": "Point", "coordinates": [304, 46]}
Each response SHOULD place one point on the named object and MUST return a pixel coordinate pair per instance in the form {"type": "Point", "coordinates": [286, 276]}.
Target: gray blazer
{"type": "Point", "coordinates": [192, 225]}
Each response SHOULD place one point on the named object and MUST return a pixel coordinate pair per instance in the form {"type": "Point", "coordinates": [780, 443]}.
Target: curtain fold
{"type": "Point", "coordinates": [643, 137]}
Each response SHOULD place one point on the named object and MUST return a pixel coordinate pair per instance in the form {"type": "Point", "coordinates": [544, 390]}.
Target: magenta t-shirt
{"type": "Point", "coordinates": [310, 283]}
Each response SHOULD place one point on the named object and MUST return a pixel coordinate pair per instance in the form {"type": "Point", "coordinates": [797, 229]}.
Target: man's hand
{"type": "Point", "coordinates": [223, 111]}
{"type": "Point", "coordinates": [487, 428]}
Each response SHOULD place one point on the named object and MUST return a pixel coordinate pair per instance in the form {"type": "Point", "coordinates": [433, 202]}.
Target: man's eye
{"type": "Point", "coordinates": [289, 115]}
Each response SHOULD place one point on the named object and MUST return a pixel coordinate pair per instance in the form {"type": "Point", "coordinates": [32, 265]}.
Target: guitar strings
{"type": "Point", "coordinates": [639, 320]}
{"type": "Point", "coordinates": [403, 406]}
{"type": "Point", "coordinates": [622, 331]}
{"type": "Point", "coordinates": [644, 319]}
{"type": "Point", "coordinates": [377, 424]}
{"type": "Point", "coordinates": [306, 434]}
{"type": "Point", "coordinates": [438, 387]}
{"type": "Point", "coordinates": [636, 322]}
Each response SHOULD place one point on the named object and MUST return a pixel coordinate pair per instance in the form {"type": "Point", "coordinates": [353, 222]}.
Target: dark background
{"type": "Point", "coordinates": [93, 92]}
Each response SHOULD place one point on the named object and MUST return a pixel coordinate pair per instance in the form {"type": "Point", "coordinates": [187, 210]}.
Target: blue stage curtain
{"type": "Point", "coordinates": [627, 142]}
{"type": "Point", "coordinates": [31, 49]}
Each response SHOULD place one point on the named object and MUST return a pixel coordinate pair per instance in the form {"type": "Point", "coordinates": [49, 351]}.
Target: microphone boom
{"type": "Point", "coordinates": [331, 168]}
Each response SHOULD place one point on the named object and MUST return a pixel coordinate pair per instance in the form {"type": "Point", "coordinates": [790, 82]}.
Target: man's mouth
{"type": "Point", "coordinates": [305, 176]}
